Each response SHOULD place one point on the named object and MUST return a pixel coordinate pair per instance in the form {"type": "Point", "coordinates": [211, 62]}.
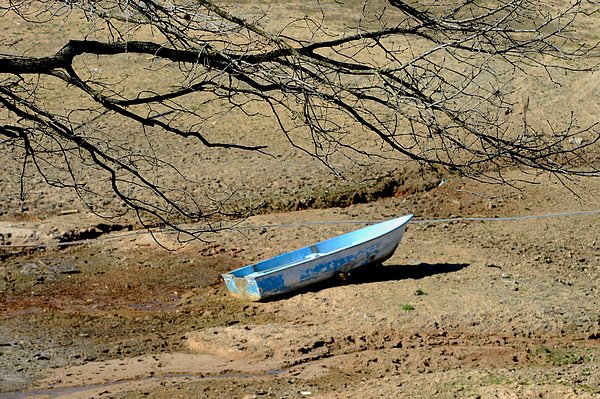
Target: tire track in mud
{"type": "Point", "coordinates": [259, 356]}
{"type": "Point", "coordinates": [139, 373]}
{"type": "Point", "coordinates": [302, 344]}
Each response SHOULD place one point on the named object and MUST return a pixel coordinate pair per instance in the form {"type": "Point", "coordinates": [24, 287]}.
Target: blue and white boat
{"type": "Point", "coordinates": [292, 270]}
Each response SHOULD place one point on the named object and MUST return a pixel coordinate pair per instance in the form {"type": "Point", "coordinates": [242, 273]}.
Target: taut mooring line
{"type": "Point", "coordinates": [314, 223]}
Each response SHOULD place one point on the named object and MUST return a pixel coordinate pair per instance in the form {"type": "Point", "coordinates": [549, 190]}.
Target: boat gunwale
{"type": "Point", "coordinates": [259, 274]}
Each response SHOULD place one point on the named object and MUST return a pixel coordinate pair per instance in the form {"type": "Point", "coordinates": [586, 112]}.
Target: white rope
{"type": "Point", "coordinates": [302, 224]}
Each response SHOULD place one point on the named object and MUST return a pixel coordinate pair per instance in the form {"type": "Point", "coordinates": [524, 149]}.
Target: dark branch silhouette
{"type": "Point", "coordinates": [428, 83]}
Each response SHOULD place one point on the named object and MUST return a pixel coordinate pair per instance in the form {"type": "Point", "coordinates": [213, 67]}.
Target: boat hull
{"type": "Point", "coordinates": [293, 270]}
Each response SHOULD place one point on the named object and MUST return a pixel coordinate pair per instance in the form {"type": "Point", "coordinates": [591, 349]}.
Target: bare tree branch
{"type": "Point", "coordinates": [431, 83]}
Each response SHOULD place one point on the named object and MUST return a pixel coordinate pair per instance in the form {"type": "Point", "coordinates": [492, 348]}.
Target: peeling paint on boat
{"type": "Point", "coordinates": [317, 262]}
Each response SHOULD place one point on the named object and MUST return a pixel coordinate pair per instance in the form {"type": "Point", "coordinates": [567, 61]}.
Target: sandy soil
{"type": "Point", "coordinates": [474, 309]}
{"type": "Point", "coordinates": [463, 309]}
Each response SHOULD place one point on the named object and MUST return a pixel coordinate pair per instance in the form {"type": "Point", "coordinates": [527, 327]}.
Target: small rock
{"type": "Point", "coordinates": [576, 141]}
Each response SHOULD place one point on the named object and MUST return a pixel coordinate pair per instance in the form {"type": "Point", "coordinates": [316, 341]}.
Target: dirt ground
{"type": "Point", "coordinates": [483, 309]}
{"type": "Point", "coordinates": [492, 308]}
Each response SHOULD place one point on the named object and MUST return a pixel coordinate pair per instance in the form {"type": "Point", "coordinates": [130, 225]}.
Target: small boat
{"type": "Point", "coordinates": [292, 270]}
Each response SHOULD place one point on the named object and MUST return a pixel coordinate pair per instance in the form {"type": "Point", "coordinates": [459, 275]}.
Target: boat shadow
{"type": "Point", "coordinates": [378, 273]}
{"type": "Point", "coordinates": [381, 273]}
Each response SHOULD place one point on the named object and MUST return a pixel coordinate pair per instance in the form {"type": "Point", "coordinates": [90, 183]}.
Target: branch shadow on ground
{"type": "Point", "coordinates": [379, 273]}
